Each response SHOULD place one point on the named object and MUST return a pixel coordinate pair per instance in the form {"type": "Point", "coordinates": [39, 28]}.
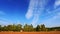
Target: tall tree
{"type": "Point", "coordinates": [42, 27]}
{"type": "Point", "coordinates": [0, 27]}
{"type": "Point", "coordinates": [25, 27]}
{"type": "Point", "coordinates": [10, 27]}
{"type": "Point", "coordinates": [31, 27]}
{"type": "Point", "coordinates": [38, 28]}
{"type": "Point", "coordinates": [4, 28]}
{"type": "Point", "coordinates": [28, 28]}
{"type": "Point", "coordinates": [14, 27]}
{"type": "Point", "coordinates": [18, 27]}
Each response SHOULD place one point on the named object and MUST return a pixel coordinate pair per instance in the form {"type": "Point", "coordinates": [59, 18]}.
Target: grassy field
{"type": "Point", "coordinates": [52, 32]}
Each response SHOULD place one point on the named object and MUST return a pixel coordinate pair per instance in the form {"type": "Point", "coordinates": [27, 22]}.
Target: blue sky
{"type": "Point", "coordinates": [30, 12]}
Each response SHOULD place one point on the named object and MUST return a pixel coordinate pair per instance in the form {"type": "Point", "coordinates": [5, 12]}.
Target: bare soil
{"type": "Point", "coordinates": [52, 32]}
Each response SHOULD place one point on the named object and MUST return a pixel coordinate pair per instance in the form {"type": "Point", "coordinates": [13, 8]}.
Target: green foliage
{"type": "Point", "coordinates": [18, 27]}
{"type": "Point", "coordinates": [42, 27]}
{"type": "Point", "coordinates": [28, 28]}
{"type": "Point", "coordinates": [10, 27]}
{"type": "Point", "coordinates": [0, 27]}
{"type": "Point", "coordinates": [38, 28]}
{"type": "Point", "coordinates": [4, 28]}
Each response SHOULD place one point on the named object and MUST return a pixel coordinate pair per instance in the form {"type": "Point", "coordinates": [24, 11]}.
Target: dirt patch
{"type": "Point", "coordinates": [53, 32]}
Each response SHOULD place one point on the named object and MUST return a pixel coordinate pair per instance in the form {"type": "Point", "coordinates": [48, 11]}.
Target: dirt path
{"type": "Point", "coordinates": [30, 32]}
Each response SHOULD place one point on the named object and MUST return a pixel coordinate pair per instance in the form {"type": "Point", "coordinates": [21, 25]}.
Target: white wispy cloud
{"type": "Point", "coordinates": [57, 3]}
{"type": "Point", "coordinates": [29, 14]}
{"type": "Point", "coordinates": [4, 21]}
{"type": "Point", "coordinates": [35, 9]}
{"type": "Point", "coordinates": [53, 21]}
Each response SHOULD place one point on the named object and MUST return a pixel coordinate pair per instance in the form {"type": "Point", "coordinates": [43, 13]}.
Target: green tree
{"type": "Point", "coordinates": [0, 27]}
{"type": "Point", "coordinates": [31, 27]}
{"type": "Point", "coordinates": [42, 27]}
{"type": "Point", "coordinates": [10, 27]}
{"type": "Point", "coordinates": [18, 27]}
{"type": "Point", "coordinates": [25, 27]}
{"type": "Point", "coordinates": [14, 27]}
{"type": "Point", "coordinates": [38, 28]}
{"type": "Point", "coordinates": [4, 28]}
{"type": "Point", "coordinates": [28, 28]}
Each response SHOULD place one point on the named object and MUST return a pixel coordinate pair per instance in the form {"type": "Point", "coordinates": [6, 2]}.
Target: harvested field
{"type": "Point", "coordinates": [54, 32]}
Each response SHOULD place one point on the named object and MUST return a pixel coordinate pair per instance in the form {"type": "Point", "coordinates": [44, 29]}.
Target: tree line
{"type": "Point", "coordinates": [27, 28]}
